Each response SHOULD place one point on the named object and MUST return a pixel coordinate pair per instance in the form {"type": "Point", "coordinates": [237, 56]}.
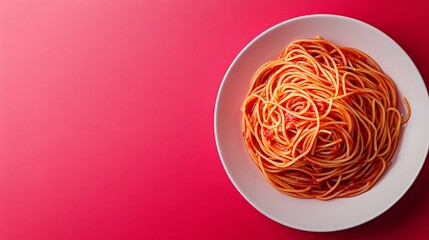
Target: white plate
{"type": "Point", "coordinates": [311, 214]}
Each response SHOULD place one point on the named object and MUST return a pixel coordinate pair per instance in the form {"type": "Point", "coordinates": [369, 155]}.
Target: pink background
{"type": "Point", "coordinates": [106, 117]}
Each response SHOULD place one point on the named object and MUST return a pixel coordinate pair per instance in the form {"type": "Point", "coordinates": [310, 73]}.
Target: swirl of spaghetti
{"type": "Point", "coordinates": [321, 121]}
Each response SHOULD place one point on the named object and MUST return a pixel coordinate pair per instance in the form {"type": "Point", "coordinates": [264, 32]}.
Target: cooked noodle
{"type": "Point", "coordinates": [321, 121]}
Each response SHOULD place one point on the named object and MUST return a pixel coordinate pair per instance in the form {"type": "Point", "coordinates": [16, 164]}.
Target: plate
{"type": "Point", "coordinates": [311, 214]}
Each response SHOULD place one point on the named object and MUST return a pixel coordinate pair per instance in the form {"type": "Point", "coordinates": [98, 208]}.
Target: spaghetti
{"type": "Point", "coordinates": [321, 121]}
